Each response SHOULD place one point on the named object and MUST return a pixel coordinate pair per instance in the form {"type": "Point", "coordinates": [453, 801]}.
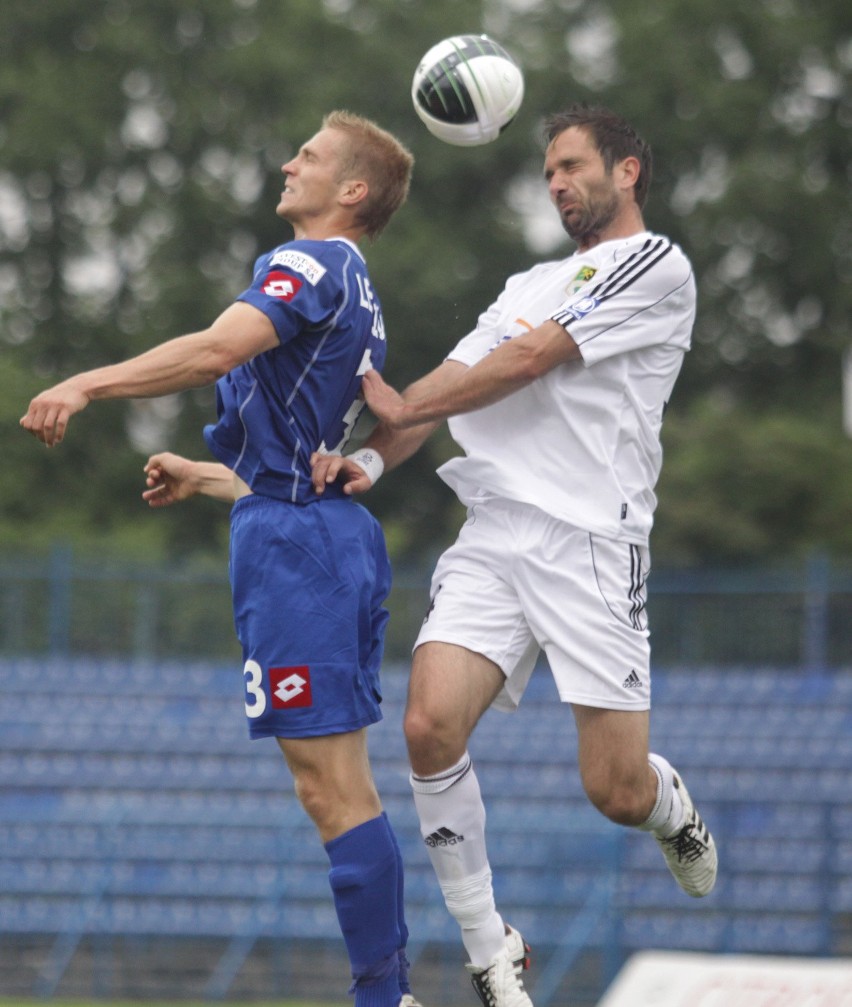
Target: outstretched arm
{"type": "Point", "coordinates": [172, 478]}
{"type": "Point", "coordinates": [393, 446]}
{"type": "Point", "coordinates": [511, 366]}
{"type": "Point", "coordinates": [237, 335]}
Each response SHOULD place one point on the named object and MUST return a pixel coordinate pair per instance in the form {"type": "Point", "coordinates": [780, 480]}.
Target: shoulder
{"type": "Point", "coordinates": [311, 259]}
{"type": "Point", "coordinates": [318, 265]}
{"type": "Point", "coordinates": [650, 248]}
{"type": "Point", "coordinates": [646, 256]}
{"type": "Point", "coordinates": [539, 271]}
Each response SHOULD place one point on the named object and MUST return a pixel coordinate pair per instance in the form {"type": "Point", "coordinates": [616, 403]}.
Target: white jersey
{"type": "Point", "coordinates": [582, 443]}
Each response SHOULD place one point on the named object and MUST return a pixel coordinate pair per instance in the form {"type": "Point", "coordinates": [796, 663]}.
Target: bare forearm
{"type": "Point", "coordinates": [508, 368]}
{"type": "Point", "coordinates": [171, 478]}
{"type": "Point", "coordinates": [213, 479]}
{"type": "Point", "coordinates": [397, 446]}
{"type": "Point", "coordinates": [190, 361]}
{"type": "Point", "coordinates": [237, 335]}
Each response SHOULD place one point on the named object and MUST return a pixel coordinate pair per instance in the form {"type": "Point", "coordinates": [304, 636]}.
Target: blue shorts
{"type": "Point", "coordinates": [309, 584]}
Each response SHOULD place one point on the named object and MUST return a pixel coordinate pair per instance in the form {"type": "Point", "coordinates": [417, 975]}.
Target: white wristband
{"type": "Point", "coordinates": [370, 461]}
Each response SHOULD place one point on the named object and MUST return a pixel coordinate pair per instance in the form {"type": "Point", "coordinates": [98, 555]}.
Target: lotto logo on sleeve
{"type": "Point", "coordinates": [290, 687]}
{"type": "Point", "coordinates": [284, 286]}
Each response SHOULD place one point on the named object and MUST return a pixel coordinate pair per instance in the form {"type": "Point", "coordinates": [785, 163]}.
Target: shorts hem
{"type": "Point", "coordinates": [604, 704]}
{"type": "Point", "coordinates": [313, 730]}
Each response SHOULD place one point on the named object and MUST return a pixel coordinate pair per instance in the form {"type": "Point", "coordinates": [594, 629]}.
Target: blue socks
{"type": "Point", "coordinates": [404, 964]}
{"type": "Point", "coordinates": [366, 882]}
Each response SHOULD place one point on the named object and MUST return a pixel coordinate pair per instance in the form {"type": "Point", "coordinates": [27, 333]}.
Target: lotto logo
{"type": "Point", "coordinates": [290, 687]}
{"type": "Point", "coordinates": [284, 286]}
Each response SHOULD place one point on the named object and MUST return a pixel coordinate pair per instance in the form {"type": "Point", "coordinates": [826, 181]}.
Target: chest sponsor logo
{"type": "Point", "coordinates": [308, 266]}
{"type": "Point", "coordinates": [581, 279]}
{"type": "Point", "coordinates": [281, 285]}
{"type": "Point", "coordinates": [290, 687]}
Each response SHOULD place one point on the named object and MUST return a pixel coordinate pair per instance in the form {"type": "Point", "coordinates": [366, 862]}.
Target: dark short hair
{"type": "Point", "coordinates": [613, 136]}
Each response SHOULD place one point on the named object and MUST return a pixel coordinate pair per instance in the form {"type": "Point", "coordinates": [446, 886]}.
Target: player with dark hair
{"type": "Point", "coordinates": [556, 398]}
{"type": "Point", "coordinates": [309, 573]}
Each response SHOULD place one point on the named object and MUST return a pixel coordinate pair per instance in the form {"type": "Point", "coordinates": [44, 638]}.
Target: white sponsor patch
{"type": "Point", "coordinates": [301, 263]}
{"type": "Point", "coordinates": [579, 309]}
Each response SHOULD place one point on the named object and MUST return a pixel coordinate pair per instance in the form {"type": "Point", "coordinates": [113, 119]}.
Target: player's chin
{"type": "Point", "coordinates": [285, 207]}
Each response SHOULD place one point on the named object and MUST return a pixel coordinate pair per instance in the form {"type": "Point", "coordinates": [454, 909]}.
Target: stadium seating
{"type": "Point", "coordinates": [132, 802]}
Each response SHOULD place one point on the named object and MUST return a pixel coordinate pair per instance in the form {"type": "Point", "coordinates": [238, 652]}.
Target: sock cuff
{"type": "Point", "coordinates": [665, 785]}
{"type": "Point", "coordinates": [444, 780]}
{"type": "Point", "coordinates": [354, 837]}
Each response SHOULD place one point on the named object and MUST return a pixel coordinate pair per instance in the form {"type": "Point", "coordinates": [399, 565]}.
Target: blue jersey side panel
{"type": "Point", "coordinates": [278, 408]}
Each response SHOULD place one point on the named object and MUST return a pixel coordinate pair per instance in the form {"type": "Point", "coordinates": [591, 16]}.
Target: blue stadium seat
{"type": "Point", "coordinates": [677, 931]}
{"type": "Point", "coordinates": [134, 802]}
{"type": "Point", "coordinates": [791, 933]}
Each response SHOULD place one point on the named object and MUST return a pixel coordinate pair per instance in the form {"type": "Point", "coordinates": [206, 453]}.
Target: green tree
{"type": "Point", "coordinates": [742, 484]}
{"type": "Point", "coordinates": [140, 144]}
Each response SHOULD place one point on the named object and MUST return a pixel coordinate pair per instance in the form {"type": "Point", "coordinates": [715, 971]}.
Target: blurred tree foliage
{"type": "Point", "coordinates": [140, 145]}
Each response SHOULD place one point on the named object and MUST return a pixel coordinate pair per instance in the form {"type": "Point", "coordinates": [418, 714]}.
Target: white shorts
{"type": "Point", "coordinates": [518, 581]}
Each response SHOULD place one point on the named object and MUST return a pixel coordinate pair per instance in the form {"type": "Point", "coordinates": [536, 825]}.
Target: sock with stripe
{"type": "Point", "coordinates": [666, 818]}
{"type": "Point", "coordinates": [452, 823]}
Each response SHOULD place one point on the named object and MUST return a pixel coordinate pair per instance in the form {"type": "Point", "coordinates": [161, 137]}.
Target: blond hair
{"type": "Point", "coordinates": [378, 158]}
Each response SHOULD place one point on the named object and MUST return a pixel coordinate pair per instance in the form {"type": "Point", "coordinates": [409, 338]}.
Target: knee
{"type": "Point", "coordinates": [335, 809]}
{"type": "Point", "coordinates": [620, 802]}
{"type": "Point", "coordinates": [432, 743]}
{"type": "Point", "coordinates": [314, 798]}
{"type": "Point", "coordinates": [419, 728]}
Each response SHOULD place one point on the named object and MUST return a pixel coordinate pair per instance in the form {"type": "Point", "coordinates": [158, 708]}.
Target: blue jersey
{"type": "Point", "coordinates": [304, 395]}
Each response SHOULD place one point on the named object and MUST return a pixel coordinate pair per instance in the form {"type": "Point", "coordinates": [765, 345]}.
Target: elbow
{"type": "Point", "coordinates": [215, 361]}
{"type": "Point", "coordinates": [532, 364]}
{"type": "Point", "coordinates": [541, 351]}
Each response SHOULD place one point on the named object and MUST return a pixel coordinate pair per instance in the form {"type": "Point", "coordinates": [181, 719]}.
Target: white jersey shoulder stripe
{"type": "Point", "coordinates": [634, 266]}
{"type": "Point", "coordinates": [621, 279]}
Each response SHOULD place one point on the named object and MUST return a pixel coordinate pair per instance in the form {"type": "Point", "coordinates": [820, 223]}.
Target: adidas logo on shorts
{"type": "Point", "coordinates": [632, 681]}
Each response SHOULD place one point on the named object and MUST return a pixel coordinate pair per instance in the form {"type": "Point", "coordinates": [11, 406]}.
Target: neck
{"type": "Point", "coordinates": [354, 234]}
{"type": "Point", "coordinates": [624, 227]}
{"type": "Point", "coordinates": [321, 228]}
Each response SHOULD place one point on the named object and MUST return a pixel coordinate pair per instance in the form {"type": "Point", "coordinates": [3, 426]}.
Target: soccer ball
{"type": "Point", "coordinates": [467, 89]}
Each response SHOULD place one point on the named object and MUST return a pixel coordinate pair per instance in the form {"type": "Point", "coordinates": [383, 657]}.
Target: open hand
{"type": "Point", "coordinates": [385, 402]}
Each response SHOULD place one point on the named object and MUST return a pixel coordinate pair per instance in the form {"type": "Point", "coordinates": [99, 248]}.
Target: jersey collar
{"type": "Point", "coordinates": [351, 244]}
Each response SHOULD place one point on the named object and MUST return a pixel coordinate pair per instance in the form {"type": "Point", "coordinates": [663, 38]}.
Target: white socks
{"type": "Point", "coordinates": [666, 819]}
{"type": "Point", "coordinates": [452, 823]}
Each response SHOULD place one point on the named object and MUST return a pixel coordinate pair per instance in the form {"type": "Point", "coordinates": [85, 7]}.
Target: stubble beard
{"type": "Point", "coordinates": [586, 226]}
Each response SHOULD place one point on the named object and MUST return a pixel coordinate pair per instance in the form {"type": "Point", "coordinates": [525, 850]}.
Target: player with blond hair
{"type": "Point", "coordinates": [309, 572]}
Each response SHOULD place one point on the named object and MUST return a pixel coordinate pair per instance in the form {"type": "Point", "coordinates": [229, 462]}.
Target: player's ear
{"type": "Point", "coordinates": [353, 191]}
{"type": "Point", "coordinates": [627, 172]}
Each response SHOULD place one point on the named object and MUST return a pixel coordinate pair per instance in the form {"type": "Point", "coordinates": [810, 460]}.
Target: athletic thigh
{"type": "Point", "coordinates": [612, 746]}
{"type": "Point", "coordinates": [452, 684]}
